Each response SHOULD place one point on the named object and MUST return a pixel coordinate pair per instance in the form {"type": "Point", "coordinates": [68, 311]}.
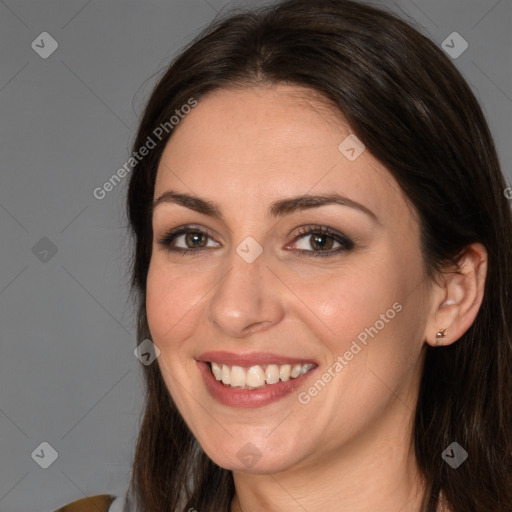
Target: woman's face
{"type": "Point", "coordinates": [266, 295]}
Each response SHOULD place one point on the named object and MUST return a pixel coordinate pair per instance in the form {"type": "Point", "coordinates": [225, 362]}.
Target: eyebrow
{"type": "Point", "coordinates": [277, 209]}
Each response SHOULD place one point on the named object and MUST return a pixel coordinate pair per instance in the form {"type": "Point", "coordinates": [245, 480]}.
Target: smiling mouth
{"type": "Point", "coordinates": [257, 376]}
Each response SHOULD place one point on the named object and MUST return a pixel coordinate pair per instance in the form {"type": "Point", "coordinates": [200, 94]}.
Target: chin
{"type": "Point", "coordinates": [258, 456]}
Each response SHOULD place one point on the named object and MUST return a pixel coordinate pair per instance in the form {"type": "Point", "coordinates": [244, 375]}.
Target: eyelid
{"type": "Point", "coordinates": [171, 235]}
{"type": "Point", "coordinates": [345, 242]}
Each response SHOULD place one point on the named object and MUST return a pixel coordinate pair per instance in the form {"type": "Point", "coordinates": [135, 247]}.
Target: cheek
{"type": "Point", "coordinates": [171, 302]}
{"type": "Point", "coordinates": [368, 316]}
{"type": "Point", "coordinates": [346, 302]}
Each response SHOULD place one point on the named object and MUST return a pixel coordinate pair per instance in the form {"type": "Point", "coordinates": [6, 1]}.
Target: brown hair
{"type": "Point", "coordinates": [406, 101]}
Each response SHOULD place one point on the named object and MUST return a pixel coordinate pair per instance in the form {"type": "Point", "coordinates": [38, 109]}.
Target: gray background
{"type": "Point", "coordinates": [68, 375]}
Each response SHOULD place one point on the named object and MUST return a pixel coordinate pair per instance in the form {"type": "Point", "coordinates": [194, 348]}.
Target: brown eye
{"type": "Point", "coordinates": [195, 239]}
{"type": "Point", "coordinates": [320, 241]}
{"type": "Point", "coordinates": [186, 240]}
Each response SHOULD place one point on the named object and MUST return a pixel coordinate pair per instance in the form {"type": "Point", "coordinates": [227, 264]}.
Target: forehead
{"type": "Point", "coordinates": [268, 142]}
{"type": "Point", "coordinates": [270, 117]}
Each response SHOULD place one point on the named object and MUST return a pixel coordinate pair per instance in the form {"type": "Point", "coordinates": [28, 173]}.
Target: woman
{"type": "Point", "coordinates": [322, 248]}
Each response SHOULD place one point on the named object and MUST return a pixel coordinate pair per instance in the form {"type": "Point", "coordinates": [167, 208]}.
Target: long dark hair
{"type": "Point", "coordinates": [406, 101]}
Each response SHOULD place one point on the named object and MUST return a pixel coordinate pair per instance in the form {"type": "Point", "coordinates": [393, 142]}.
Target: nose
{"type": "Point", "coordinates": [247, 299]}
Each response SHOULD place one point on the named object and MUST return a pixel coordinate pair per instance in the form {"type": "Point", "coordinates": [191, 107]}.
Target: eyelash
{"type": "Point", "coordinates": [346, 243]}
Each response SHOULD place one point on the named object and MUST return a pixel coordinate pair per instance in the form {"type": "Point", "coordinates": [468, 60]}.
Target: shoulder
{"type": "Point", "coordinates": [122, 502]}
{"type": "Point", "coordinates": [100, 503]}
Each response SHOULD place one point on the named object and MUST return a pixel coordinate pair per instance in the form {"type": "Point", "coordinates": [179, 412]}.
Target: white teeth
{"type": "Point", "coordinates": [257, 376]}
{"type": "Point", "coordinates": [284, 372]}
{"type": "Point", "coordinates": [216, 371]}
{"type": "Point", "coordinates": [272, 374]}
{"type": "Point", "coordinates": [226, 374]}
{"type": "Point", "coordinates": [237, 376]}
{"type": "Point", "coordinates": [295, 371]}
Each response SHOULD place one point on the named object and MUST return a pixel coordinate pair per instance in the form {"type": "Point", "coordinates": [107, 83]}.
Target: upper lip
{"type": "Point", "coordinates": [250, 359]}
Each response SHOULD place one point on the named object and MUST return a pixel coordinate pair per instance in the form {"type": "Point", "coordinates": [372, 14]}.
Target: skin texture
{"type": "Point", "coordinates": [349, 447]}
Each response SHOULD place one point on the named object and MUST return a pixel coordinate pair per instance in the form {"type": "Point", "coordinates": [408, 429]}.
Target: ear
{"type": "Point", "coordinates": [456, 299]}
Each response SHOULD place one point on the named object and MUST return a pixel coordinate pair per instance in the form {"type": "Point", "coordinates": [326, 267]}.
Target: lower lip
{"type": "Point", "coordinates": [238, 397]}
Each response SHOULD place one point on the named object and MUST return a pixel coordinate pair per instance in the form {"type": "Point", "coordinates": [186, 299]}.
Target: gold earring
{"type": "Point", "coordinates": [440, 335]}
